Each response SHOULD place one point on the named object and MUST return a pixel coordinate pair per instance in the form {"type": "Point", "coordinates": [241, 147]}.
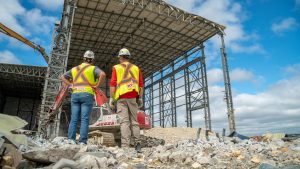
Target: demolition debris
{"type": "Point", "coordinates": [208, 151]}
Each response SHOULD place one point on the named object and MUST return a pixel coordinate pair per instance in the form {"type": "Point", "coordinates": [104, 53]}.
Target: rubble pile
{"type": "Point", "coordinates": [203, 150]}
{"type": "Point", "coordinates": [215, 153]}
{"type": "Point", "coordinates": [174, 134]}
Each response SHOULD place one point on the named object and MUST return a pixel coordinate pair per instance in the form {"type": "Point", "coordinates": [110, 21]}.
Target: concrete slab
{"type": "Point", "coordinates": [9, 123]}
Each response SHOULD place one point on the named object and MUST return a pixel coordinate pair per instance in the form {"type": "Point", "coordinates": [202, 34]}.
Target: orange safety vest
{"type": "Point", "coordinates": [127, 79]}
{"type": "Point", "coordinates": [83, 78]}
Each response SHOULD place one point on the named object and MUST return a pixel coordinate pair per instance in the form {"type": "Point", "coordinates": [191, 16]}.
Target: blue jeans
{"type": "Point", "coordinates": [81, 105]}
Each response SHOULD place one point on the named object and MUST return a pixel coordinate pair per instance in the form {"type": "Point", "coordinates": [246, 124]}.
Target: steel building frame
{"type": "Point", "coordinates": [190, 70]}
{"type": "Point", "coordinates": [165, 41]}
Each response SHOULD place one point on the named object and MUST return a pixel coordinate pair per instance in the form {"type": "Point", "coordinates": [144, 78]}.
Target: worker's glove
{"type": "Point", "coordinates": [111, 103]}
{"type": "Point", "coordinates": [140, 102]}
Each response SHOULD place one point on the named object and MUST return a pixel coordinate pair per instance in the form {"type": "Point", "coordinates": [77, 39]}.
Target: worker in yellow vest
{"type": "Point", "coordinates": [126, 88]}
{"type": "Point", "coordinates": [82, 79]}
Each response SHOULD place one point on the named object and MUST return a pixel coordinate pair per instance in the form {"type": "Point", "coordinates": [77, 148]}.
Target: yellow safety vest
{"type": "Point", "coordinates": [83, 78]}
{"type": "Point", "coordinates": [127, 79]}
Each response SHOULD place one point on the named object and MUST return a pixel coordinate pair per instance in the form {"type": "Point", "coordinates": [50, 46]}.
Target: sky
{"type": "Point", "coordinates": [262, 42]}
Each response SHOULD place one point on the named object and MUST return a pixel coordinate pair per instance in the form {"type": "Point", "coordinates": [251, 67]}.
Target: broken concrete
{"type": "Point", "coordinates": [90, 161]}
{"type": "Point", "coordinates": [66, 163]}
{"type": "Point", "coordinates": [198, 152]}
{"type": "Point", "coordinates": [9, 123]}
{"type": "Point", "coordinates": [51, 155]}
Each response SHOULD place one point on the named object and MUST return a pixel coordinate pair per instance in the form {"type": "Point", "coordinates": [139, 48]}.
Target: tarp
{"type": "Point", "coordinates": [235, 134]}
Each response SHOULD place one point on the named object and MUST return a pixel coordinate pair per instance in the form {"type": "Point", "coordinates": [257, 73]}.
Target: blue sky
{"type": "Point", "coordinates": [262, 40]}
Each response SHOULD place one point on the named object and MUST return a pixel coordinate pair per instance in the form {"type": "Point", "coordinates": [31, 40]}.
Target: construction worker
{"type": "Point", "coordinates": [126, 88]}
{"type": "Point", "coordinates": [82, 79]}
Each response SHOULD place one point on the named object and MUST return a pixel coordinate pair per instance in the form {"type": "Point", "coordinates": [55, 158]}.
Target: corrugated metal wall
{"type": "Point", "coordinates": [24, 108]}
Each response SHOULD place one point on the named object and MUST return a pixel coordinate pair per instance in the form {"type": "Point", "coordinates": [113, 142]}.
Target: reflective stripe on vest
{"type": "Point", "coordinates": [127, 79]}
{"type": "Point", "coordinates": [83, 78]}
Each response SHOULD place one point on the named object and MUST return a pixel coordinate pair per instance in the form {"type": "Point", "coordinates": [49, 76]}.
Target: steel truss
{"type": "Point", "coordinates": [57, 66]}
{"type": "Point", "coordinates": [163, 98]}
{"type": "Point", "coordinates": [21, 80]}
{"type": "Point", "coordinates": [30, 71]}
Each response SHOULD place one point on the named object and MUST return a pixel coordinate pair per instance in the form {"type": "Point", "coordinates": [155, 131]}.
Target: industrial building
{"type": "Point", "coordinates": [167, 43]}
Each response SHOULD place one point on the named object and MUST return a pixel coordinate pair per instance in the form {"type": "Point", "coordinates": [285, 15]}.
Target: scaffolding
{"type": "Point", "coordinates": [56, 67]}
{"type": "Point", "coordinates": [166, 42]}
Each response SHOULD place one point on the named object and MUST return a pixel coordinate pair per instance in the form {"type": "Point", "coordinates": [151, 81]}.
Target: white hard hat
{"type": "Point", "coordinates": [89, 54]}
{"type": "Point", "coordinates": [124, 52]}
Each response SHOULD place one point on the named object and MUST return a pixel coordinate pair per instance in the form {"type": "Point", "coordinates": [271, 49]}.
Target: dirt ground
{"type": "Point", "coordinates": [172, 135]}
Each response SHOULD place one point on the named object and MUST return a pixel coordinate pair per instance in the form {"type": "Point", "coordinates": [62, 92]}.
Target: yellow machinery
{"type": "Point", "coordinates": [15, 35]}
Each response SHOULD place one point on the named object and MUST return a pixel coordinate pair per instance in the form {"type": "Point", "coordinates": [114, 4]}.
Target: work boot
{"type": "Point", "coordinates": [72, 142]}
{"type": "Point", "coordinates": [138, 147]}
{"type": "Point", "coordinates": [82, 144]}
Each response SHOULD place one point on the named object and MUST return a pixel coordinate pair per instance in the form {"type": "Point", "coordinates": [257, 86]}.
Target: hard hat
{"type": "Point", "coordinates": [89, 54]}
{"type": "Point", "coordinates": [124, 52]}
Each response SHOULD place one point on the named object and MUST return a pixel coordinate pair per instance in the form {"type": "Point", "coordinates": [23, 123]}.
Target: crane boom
{"type": "Point", "coordinates": [17, 36]}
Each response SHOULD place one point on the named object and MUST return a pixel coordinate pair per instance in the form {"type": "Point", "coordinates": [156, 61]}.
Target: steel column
{"type": "Point", "coordinates": [161, 103]}
{"type": "Point", "coordinates": [187, 96]}
{"type": "Point", "coordinates": [228, 95]}
{"type": "Point", "coordinates": [152, 101]}
{"type": "Point", "coordinates": [205, 90]}
{"type": "Point", "coordinates": [173, 99]}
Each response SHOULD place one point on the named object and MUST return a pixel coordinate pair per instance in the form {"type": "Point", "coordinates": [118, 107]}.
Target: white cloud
{"type": "Point", "coordinates": [255, 48]}
{"type": "Point", "coordinates": [297, 2]}
{"type": "Point", "coordinates": [229, 13]}
{"type": "Point", "coordinates": [284, 25]}
{"type": "Point", "coordinates": [8, 57]}
{"type": "Point", "coordinates": [214, 76]}
{"type": "Point", "coordinates": [30, 23]}
{"type": "Point", "coordinates": [9, 11]}
{"type": "Point", "coordinates": [37, 22]}
{"type": "Point", "coordinates": [52, 5]}
{"type": "Point", "coordinates": [261, 112]}
{"type": "Point", "coordinates": [240, 75]}
{"type": "Point", "coordinates": [237, 75]}
{"type": "Point", "coordinates": [280, 103]}
{"type": "Point", "coordinates": [292, 69]}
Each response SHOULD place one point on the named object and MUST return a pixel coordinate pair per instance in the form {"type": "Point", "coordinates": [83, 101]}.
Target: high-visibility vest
{"type": "Point", "coordinates": [83, 78]}
{"type": "Point", "coordinates": [127, 79]}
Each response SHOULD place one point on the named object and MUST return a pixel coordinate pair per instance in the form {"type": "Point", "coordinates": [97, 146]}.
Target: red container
{"type": "Point", "coordinates": [143, 120]}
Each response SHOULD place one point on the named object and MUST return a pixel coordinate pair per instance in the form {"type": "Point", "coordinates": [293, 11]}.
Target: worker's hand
{"type": "Point", "coordinates": [111, 103]}
{"type": "Point", "coordinates": [140, 102]}
{"type": "Point", "coordinates": [95, 87]}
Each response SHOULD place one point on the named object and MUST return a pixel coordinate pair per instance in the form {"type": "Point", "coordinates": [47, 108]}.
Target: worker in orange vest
{"type": "Point", "coordinates": [82, 79]}
{"type": "Point", "coordinates": [126, 88]}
